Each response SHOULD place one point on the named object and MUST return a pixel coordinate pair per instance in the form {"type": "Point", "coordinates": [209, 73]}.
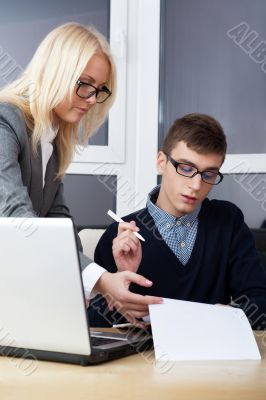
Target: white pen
{"type": "Point", "coordinates": [118, 219]}
{"type": "Point", "coordinates": [126, 325]}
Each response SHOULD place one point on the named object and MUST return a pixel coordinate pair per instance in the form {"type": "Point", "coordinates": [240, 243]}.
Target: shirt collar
{"type": "Point", "coordinates": [49, 135]}
{"type": "Point", "coordinates": [161, 217]}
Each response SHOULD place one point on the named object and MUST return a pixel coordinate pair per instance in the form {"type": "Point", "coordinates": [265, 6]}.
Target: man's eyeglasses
{"type": "Point", "coordinates": [86, 90]}
{"type": "Point", "coordinates": [210, 177]}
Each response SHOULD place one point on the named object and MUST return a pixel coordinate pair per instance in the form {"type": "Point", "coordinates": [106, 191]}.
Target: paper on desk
{"type": "Point", "coordinates": [184, 330]}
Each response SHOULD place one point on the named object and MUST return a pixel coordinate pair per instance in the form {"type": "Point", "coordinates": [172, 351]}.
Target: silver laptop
{"type": "Point", "coordinates": [42, 308]}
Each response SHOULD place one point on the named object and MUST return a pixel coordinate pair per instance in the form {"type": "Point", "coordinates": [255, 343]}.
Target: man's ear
{"type": "Point", "coordinates": [161, 162]}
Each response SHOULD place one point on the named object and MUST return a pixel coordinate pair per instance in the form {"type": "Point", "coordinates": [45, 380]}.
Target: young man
{"type": "Point", "coordinates": [195, 249]}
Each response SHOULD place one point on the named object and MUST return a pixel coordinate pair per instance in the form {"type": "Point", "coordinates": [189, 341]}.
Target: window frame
{"type": "Point", "coordinates": [114, 152]}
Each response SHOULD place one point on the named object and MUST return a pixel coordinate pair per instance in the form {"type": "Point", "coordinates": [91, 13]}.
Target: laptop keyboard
{"type": "Point", "coordinates": [100, 341]}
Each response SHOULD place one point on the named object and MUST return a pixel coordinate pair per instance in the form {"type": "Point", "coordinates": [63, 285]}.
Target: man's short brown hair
{"type": "Point", "coordinates": [201, 133]}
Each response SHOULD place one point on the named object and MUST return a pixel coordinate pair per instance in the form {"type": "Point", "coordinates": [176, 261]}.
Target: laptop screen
{"type": "Point", "coordinates": [42, 302]}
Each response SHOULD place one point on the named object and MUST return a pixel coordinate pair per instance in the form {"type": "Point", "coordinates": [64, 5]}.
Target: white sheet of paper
{"type": "Point", "coordinates": [184, 330]}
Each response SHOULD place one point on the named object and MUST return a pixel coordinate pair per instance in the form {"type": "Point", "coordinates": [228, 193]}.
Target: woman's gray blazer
{"type": "Point", "coordinates": [21, 187]}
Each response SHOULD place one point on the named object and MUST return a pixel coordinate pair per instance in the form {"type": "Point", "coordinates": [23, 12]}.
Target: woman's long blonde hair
{"type": "Point", "coordinates": [50, 77]}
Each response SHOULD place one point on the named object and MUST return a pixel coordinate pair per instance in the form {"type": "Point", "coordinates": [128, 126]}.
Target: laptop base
{"type": "Point", "coordinates": [96, 357]}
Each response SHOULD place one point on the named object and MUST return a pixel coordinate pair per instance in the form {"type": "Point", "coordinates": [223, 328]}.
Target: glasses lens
{"type": "Point", "coordinates": [103, 95]}
{"type": "Point", "coordinates": [211, 177]}
{"type": "Point", "coordinates": [185, 170]}
{"type": "Point", "coordinates": [85, 91]}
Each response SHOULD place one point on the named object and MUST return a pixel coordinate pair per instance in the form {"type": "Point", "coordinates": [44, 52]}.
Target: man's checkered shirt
{"type": "Point", "coordinates": [178, 233]}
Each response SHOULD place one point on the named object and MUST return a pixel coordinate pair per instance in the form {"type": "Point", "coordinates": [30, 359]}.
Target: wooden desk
{"type": "Point", "coordinates": [136, 377]}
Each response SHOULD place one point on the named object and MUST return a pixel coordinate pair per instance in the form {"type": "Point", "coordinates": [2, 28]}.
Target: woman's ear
{"type": "Point", "coordinates": [161, 162]}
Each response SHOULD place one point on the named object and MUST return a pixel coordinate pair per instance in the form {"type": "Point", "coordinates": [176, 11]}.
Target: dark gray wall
{"type": "Point", "coordinates": [89, 198]}
{"type": "Point", "coordinates": [248, 192]}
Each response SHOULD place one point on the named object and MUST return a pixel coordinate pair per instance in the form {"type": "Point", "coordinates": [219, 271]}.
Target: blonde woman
{"type": "Point", "coordinates": [65, 91]}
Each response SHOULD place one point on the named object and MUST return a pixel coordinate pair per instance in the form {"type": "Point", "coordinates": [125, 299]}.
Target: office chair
{"type": "Point", "coordinates": [89, 238]}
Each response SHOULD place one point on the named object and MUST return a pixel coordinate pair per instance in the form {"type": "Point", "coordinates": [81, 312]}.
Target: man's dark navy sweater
{"type": "Point", "coordinates": [224, 264]}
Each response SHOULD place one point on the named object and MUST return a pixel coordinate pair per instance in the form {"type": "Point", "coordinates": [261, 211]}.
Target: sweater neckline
{"type": "Point", "coordinates": [196, 253]}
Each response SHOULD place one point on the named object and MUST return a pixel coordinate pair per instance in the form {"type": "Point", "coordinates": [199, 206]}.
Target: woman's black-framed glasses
{"type": "Point", "coordinates": [189, 171]}
{"type": "Point", "coordinates": [86, 90]}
